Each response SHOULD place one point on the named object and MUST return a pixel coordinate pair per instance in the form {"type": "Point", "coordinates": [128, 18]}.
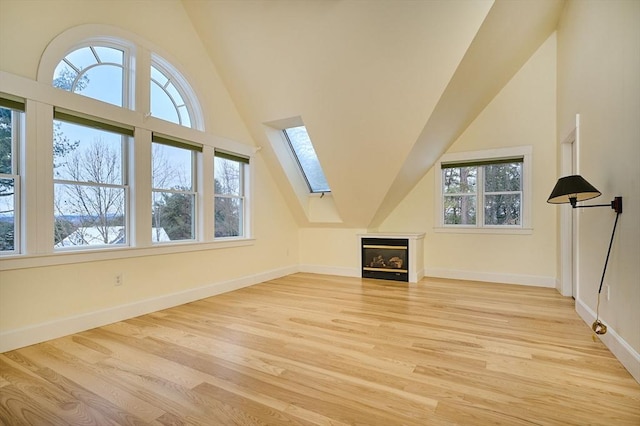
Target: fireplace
{"type": "Point", "coordinates": [385, 258]}
{"type": "Point", "coordinates": [396, 257]}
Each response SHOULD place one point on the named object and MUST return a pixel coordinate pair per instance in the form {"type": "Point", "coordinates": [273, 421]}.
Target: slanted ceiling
{"type": "Point", "coordinates": [383, 86]}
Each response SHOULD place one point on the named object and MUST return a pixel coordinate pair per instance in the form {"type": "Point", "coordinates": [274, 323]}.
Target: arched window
{"type": "Point", "coordinates": [101, 68]}
{"type": "Point", "coordinates": [167, 101]}
{"type": "Point", "coordinates": [95, 71]}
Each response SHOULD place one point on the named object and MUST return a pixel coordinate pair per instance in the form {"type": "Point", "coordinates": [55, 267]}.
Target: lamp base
{"type": "Point", "coordinates": [598, 327]}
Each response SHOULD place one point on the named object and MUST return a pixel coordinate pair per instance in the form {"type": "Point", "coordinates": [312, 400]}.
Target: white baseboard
{"type": "Point", "coordinates": [531, 280]}
{"type": "Point", "coordinates": [330, 270]}
{"type": "Point", "coordinates": [619, 347]}
{"type": "Point", "coordinates": [25, 336]}
{"type": "Point", "coordinates": [492, 277]}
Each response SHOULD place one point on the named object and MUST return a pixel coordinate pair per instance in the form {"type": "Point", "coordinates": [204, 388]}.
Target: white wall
{"type": "Point", "coordinates": [523, 113]}
{"type": "Point", "coordinates": [598, 77]}
{"type": "Point", "coordinates": [39, 302]}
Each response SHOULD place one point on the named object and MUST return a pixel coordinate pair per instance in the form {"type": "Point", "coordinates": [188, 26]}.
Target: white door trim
{"type": "Point", "coordinates": [568, 221]}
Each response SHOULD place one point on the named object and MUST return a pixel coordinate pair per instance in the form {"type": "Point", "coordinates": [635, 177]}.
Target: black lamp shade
{"type": "Point", "coordinates": [572, 187]}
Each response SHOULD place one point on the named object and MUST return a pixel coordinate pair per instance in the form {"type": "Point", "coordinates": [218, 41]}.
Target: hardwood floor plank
{"type": "Point", "coordinates": [70, 373]}
{"type": "Point", "coordinates": [322, 350]}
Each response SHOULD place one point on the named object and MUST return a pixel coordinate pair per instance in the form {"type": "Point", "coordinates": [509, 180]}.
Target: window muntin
{"type": "Point", "coordinates": [486, 193]}
{"type": "Point", "coordinates": [90, 185]}
{"type": "Point", "coordinates": [94, 71]}
{"type": "Point", "coordinates": [307, 159]}
{"type": "Point", "coordinates": [173, 192]}
{"type": "Point", "coordinates": [11, 119]}
{"type": "Point", "coordinates": [167, 102]}
{"type": "Point", "coordinates": [229, 187]}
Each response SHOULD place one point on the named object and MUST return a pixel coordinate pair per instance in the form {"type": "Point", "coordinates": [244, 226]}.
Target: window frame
{"type": "Point", "coordinates": [195, 150]}
{"type": "Point", "coordinates": [243, 187]}
{"type": "Point", "coordinates": [486, 157]}
{"type": "Point", "coordinates": [128, 73]}
{"type": "Point", "coordinates": [17, 109]}
{"type": "Point", "coordinates": [176, 84]}
{"type": "Point", "coordinates": [301, 168]}
{"type": "Point", "coordinates": [126, 134]}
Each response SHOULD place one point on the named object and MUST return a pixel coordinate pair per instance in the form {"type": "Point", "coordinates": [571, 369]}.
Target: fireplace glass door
{"type": "Point", "coordinates": [385, 258]}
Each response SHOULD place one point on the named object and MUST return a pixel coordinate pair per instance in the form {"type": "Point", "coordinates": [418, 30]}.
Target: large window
{"type": "Point", "coordinates": [174, 190]}
{"type": "Point", "coordinates": [307, 159]}
{"type": "Point", "coordinates": [230, 205]}
{"type": "Point", "coordinates": [484, 192]}
{"type": "Point", "coordinates": [95, 171]}
{"type": "Point", "coordinates": [11, 119]}
{"type": "Point", "coordinates": [90, 182]}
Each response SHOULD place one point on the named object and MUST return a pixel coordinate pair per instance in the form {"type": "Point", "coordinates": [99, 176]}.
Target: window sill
{"type": "Point", "coordinates": [476, 230]}
{"type": "Point", "coordinates": [66, 257]}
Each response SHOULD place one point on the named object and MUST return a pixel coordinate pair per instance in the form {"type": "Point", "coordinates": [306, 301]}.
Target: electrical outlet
{"type": "Point", "coordinates": [119, 279]}
{"type": "Point", "coordinates": [608, 292]}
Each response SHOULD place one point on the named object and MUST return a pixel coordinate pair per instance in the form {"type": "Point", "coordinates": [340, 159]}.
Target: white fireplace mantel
{"type": "Point", "coordinates": [416, 250]}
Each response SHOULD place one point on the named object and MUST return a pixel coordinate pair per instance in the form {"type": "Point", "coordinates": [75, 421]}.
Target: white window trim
{"type": "Point", "coordinates": [17, 144]}
{"type": "Point", "coordinates": [194, 191]}
{"type": "Point", "coordinates": [490, 154]}
{"type": "Point", "coordinates": [287, 158]}
{"type": "Point", "coordinates": [182, 86]}
{"type": "Point", "coordinates": [247, 184]}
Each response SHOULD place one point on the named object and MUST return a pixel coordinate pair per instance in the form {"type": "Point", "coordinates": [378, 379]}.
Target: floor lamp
{"type": "Point", "coordinates": [574, 189]}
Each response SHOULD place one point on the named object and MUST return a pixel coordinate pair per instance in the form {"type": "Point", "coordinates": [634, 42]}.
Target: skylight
{"type": "Point", "coordinates": [307, 159]}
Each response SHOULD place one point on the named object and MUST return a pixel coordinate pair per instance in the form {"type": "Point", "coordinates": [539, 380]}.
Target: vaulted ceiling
{"type": "Point", "coordinates": [383, 86]}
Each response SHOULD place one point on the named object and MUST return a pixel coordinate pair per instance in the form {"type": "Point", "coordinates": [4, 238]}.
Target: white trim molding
{"type": "Point", "coordinates": [341, 271]}
{"type": "Point", "coordinates": [492, 277]}
{"type": "Point", "coordinates": [37, 333]}
{"type": "Point", "coordinates": [619, 347]}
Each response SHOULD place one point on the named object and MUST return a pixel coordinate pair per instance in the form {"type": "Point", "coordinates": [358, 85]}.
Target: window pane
{"type": "Point", "coordinates": [229, 216]}
{"type": "Point", "coordinates": [459, 180]}
{"type": "Point", "coordinates": [7, 215]}
{"type": "Point", "coordinates": [95, 77]}
{"type": "Point", "coordinates": [64, 77]}
{"type": "Point", "coordinates": [167, 103]}
{"type": "Point", "coordinates": [109, 54]}
{"type": "Point", "coordinates": [173, 215]}
{"type": "Point", "coordinates": [82, 58]}
{"type": "Point", "coordinates": [89, 215]}
{"type": "Point", "coordinates": [502, 209]}
{"type": "Point", "coordinates": [86, 154]}
{"type": "Point", "coordinates": [184, 116]}
{"type": "Point", "coordinates": [307, 158]}
{"type": "Point", "coordinates": [172, 167]}
{"type": "Point", "coordinates": [89, 186]}
{"type": "Point", "coordinates": [227, 175]}
{"type": "Point", "coordinates": [161, 105]}
{"type": "Point", "coordinates": [158, 76]}
{"type": "Point", "coordinates": [175, 95]}
{"type": "Point", "coordinates": [460, 210]}
{"type": "Point", "coordinates": [6, 141]}
{"type": "Point", "coordinates": [104, 83]}
{"type": "Point", "coordinates": [503, 177]}
{"type": "Point", "coordinates": [9, 180]}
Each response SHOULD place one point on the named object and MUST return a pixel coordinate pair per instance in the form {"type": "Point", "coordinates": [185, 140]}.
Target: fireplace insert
{"type": "Point", "coordinates": [385, 258]}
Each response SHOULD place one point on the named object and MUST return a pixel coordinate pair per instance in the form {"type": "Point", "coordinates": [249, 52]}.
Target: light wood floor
{"type": "Point", "coordinates": [312, 349]}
